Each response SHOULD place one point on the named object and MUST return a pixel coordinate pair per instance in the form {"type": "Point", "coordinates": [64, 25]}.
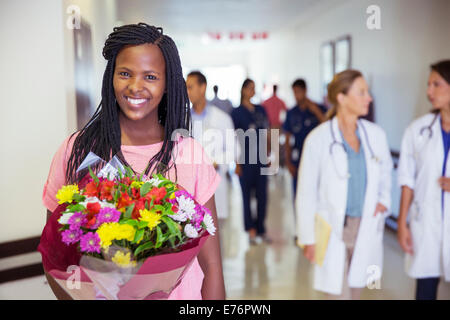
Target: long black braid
{"type": "Point", "coordinates": [102, 134]}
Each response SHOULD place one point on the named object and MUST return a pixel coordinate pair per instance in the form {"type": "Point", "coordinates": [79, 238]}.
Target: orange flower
{"type": "Point", "coordinates": [91, 189]}
{"type": "Point", "coordinates": [138, 205]}
{"type": "Point", "coordinates": [106, 190]}
{"type": "Point", "coordinates": [93, 207]}
{"type": "Point", "coordinates": [124, 201]}
{"type": "Point", "coordinates": [157, 194]}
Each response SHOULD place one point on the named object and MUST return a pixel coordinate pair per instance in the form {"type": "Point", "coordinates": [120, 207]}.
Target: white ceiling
{"type": "Point", "coordinates": [216, 15]}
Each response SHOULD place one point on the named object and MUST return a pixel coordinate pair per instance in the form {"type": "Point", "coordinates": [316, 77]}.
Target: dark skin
{"type": "Point", "coordinates": [304, 103]}
{"type": "Point", "coordinates": [140, 76]}
{"type": "Point", "coordinates": [247, 93]}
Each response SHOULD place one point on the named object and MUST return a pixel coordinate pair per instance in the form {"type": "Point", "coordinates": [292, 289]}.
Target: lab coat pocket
{"type": "Point", "coordinates": [380, 223]}
{"type": "Point", "coordinates": [416, 225]}
{"type": "Point", "coordinates": [416, 213]}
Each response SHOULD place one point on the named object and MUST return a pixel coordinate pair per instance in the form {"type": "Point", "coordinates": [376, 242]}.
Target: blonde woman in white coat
{"type": "Point", "coordinates": [424, 176]}
{"type": "Point", "coordinates": [345, 178]}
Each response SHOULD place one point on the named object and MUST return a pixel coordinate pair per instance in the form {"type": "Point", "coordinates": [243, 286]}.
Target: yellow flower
{"type": "Point", "coordinates": [151, 217]}
{"type": "Point", "coordinates": [172, 196]}
{"type": "Point", "coordinates": [108, 232]}
{"type": "Point", "coordinates": [123, 260]}
{"type": "Point", "coordinates": [137, 184]}
{"type": "Point", "coordinates": [65, 194]}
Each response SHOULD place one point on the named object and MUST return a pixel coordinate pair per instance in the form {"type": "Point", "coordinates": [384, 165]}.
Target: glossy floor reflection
{"type": "Point", "coordinates": [279, 270]}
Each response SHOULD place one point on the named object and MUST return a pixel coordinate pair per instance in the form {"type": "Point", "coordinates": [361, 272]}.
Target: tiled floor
{"type": "Point", "coordinates": [275, 271]}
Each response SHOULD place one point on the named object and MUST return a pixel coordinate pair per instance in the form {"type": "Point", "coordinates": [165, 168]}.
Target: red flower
{"type": "Point", "coordinates": [136, 193]}
{"type": "Point", "coordinates": [106, 190]}
{"type": "Point", "coordinates": [91, 189]}
{"type": "Point", "coordinates": [124, 201]}
{"type": "Point", "coordinates": [93, 207]}
{"type": "Point", "coordinates": [157, 194]}
{"type": "Point", "coordinates": [138, 205]}
{"type": "Point", "coordinates": [91, 222]}
{"type": "Point", "coordinates": [126, 181]}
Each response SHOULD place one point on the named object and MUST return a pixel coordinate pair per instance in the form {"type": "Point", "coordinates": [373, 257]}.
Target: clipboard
{"type": "Point", "coordinates": [322, 230]}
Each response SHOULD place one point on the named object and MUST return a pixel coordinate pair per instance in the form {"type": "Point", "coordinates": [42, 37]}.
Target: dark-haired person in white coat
{"type": "Point", "coordinates": [424, 176]}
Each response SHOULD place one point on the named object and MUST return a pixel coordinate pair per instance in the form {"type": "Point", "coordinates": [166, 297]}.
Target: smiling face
{"type": "Point", "coordinates": [357, 99]}
{"type": "Point", "coordinates": [438, 91]}
{"type": "Point", "coordinates": [139, 81]}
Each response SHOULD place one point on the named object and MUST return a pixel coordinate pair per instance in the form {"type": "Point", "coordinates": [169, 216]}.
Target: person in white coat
{"type": "Point", "coordinates": [424, 177]}
{"type": "Point", "coordinates": [214, 129]}
{"type": "Point", "coordinates": [345, 178]}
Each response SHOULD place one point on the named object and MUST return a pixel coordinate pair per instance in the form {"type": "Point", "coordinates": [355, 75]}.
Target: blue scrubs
{"type": "Point", "coordinates": [251, 180]}
{"type": "Point", "coordinates": [356, 187]}
{"type": "Point", "coordinates": [446, 140]}
{"type": "Point", "coordinates": [299, 123]}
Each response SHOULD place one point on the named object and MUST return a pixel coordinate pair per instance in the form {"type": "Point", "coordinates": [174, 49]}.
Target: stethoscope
{"type": "Point", "coordinates": [336, 143]}
{"type": "Point", "coordinates": [429, 128]}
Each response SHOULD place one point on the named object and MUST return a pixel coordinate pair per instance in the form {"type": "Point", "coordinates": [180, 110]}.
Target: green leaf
{"type": "Point", "coordinates": [139, 235]}
{"type": "Point", "coordinates": [120, 173]}
{"type": "Point", "coordinates": [145, 188]}
{"type": "Point", "coordinates": [165, 183]}
{"type": "Point", "coordinates": [75, 208]}
{"type": "Point", "coordinates": [78, 197]}
{"type": "Point", "coordinates": [142, 224]}
{"type": "Point", "coordinates": [159, 237]}
{"type": "Point", "coordinates": [116, 195]}
{"type": "Point", "coordinates": [93, 175]}
{"type": "Point", "coordinates": [143, 247]}
{"type": "Point", "coordinates": [173, 226]}
{"type": "Point", "coordinates": [129, 211]}
{"type": "Point", "coordinates": [131, 222]}
{"type": "Point", "coordinates": [159, 207]}
{"type": "Point", "coordinates": [129, 173]}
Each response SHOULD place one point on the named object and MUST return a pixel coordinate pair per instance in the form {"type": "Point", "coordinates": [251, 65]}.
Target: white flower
{"type": "Point", "coordinates": [64, 219]}
{"type": "Point", "coordinates": [103, 204]}
{"type": "Point", "coordinates": [209, 223]}
{"type": "Point", "coordinates": [155, 182]}
{"type": "Point", "coordinates": [181, 217]}
{"type": "Point", "coordinates": [186, 206]}
{"type": "Point", "coordinates": [190, 231]}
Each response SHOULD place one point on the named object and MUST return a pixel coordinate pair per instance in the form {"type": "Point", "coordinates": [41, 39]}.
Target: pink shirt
{"type": "Point", "coordinates": [195, 173]}
{"type": "Point", "coordinates": [273, 107]}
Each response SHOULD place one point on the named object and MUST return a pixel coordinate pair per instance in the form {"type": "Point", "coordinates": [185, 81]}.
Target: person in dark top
{"type": "Point", "coordinates": [300, 120]}
{"type": "Point", "coordinates": [248, 119]}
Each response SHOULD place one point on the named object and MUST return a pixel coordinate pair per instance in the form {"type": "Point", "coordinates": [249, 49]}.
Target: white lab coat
{"type": "Point", "coordinates": [322, 190]}
{"type": "Point", "coordinates": [420, 167]}
{"type": "Point", "coordinates": [217, 136]}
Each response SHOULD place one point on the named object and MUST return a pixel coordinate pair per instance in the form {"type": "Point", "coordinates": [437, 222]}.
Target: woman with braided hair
{"type": "Point", "coordinates": [144, 102]}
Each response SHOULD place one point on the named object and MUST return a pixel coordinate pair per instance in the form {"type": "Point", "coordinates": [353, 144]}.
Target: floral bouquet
{"type": "Point", "coordinates": [132, 236]}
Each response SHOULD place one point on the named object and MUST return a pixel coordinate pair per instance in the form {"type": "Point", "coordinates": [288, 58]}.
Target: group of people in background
{"type": "Point", "coordinates": [341, 168]}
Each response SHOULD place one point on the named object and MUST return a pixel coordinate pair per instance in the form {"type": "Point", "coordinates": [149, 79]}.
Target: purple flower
{"type": "Point", "coordinates": [90, 242]}
{"type": "Point", "coordinates": [184, 193]}
{"type": "Point", "coordinates": [197, 217]}
{"type": "Point", "coordinates": [77, 220]}
{"type": "Point", "coordinates": [71, 236]}
{"type": "Point", "coordinates": [107, 215]}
